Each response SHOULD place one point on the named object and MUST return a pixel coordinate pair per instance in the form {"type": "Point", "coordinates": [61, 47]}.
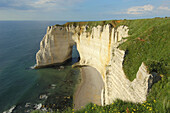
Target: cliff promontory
{"type": "Point", "coordinates": [130, 55]}
{"type": "Point", "coordinates": [97, 48]}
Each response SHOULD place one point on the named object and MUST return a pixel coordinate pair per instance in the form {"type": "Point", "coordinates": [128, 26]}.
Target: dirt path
{"type": "Point", "coordinates": [89, 89]}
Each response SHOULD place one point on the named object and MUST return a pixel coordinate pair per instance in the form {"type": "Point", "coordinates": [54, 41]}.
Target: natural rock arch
{"type": "Point", "coordinates": [95, 48]}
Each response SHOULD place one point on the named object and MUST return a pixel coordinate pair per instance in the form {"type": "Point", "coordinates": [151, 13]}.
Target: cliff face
{"type": "Point", "coordinates": [119, 87]}
{"type": "Point", "coordinates": [55, 47]}
{"type": "Point", "coordinates": [97, 48]}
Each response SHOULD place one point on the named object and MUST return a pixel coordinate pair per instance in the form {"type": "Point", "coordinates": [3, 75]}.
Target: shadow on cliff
{"type": "Point", "coordinates": [74, 59]}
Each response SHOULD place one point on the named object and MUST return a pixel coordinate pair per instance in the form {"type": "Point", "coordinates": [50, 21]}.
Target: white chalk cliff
{"type": "Point", "coordinates": [99, 49]}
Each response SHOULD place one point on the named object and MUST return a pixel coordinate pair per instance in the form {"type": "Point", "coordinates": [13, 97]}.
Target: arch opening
{"type": "Point", "coordinates": [75, 54]}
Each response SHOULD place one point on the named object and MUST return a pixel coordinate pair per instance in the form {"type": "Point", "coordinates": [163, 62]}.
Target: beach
{"type": "Point", "coordinates": [90, 88]}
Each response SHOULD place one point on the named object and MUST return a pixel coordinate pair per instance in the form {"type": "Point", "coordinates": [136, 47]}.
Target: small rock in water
{"type": "Point", "coordinates": [44, 96]}
{"type": "Point", "coordinates": [57, 97]}
{"type": "Point", "coordinates": [28, 111]}
{"type": "Point", "coordinates": [27, 105]}
{"type": "Point", "coordinates": [53, 85]}
{"type": "Point", "coordinates": [61, 67]}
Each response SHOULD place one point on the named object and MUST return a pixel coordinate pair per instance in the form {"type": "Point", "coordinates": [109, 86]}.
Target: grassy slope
{"type": "Point", "coordinates": [149, 42]}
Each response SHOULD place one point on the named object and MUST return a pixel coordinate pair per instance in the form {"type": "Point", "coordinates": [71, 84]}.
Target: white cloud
{"type": "Point", "coordinates": [47, 2]}
{"type": "Point", "coordinates": [56, 2]}
{"type": "Point", "coordinates": [140, 9]}
{"type": "Point", "coordinates": [58, 5]}
{"type": "Point", "coordinates": [164, 8]}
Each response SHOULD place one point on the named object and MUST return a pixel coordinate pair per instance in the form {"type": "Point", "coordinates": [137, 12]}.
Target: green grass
{"type": "Point", "coordinates": [149, 42]}
{"type": "Point", "coordinates": [119, 107]}
{"type": "Point", "coordinates": [116, 107]}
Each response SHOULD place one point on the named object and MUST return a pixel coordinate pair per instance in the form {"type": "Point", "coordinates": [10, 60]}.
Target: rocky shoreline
{"type": "Point", "coordinates": [56, 96]}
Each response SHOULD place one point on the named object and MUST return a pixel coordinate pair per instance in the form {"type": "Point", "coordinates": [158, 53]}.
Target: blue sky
{"type": "Point", "coordinates": [75, 10]}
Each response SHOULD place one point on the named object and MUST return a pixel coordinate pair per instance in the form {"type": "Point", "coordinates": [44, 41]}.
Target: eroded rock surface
{"type": "Point", "coordinates": [119, 87]}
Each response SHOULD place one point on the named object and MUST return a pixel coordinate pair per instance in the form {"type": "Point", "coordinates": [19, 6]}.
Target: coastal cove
{"type": "Point", "coordinates": [84, 56]}
{"type": "Point", "coordinates": [93, 66]}
{"type": "Point", "coordinates": [104, 45]}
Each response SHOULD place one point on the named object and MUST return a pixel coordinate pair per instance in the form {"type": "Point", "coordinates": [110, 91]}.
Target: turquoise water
{"type": "Point", "coordinates": [19, 42]}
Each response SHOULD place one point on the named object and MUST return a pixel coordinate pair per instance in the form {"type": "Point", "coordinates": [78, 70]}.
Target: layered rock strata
{"type": "Point", "coordinates": [97, 48]}
{"type": "Point", "coordinates": [117, 86]}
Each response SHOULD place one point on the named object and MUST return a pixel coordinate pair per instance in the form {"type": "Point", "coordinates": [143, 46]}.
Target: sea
{"type": "Point", "coordinates": [22, 89]}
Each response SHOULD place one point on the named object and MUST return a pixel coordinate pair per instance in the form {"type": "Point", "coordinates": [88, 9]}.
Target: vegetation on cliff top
{"type": "Point", "coordinates": [94, 23]}
{"type": "Point", "coordinates": [149, 42]}
{"type": "Point", "coordinates": [91, 24]}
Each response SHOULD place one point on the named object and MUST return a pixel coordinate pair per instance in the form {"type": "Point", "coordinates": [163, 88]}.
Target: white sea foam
{"type": "Point", "coordinates": [33, 67]}
{"type": "Point", "coordinates": [10, 110]}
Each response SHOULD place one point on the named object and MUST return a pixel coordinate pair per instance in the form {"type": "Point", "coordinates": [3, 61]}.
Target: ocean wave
{"type": "Point", "coordinates": [10, 110]}
{"type": "Point", "coordinates": [33, 67]}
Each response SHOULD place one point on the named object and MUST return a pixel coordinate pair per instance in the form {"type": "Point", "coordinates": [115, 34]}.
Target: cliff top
{"type": "Point", "coordinates": [114, 23]}
{"type": "Point", "coordinates": [94, 23]}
